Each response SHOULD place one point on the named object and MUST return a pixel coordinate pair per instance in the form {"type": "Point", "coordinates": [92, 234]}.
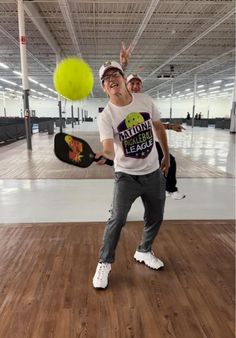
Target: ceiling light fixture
{"type": "Point", "coordinates": [3, 65]}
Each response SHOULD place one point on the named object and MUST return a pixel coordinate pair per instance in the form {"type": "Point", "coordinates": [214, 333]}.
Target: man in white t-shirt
{"type": "Point", "coordinates": [127, 128]}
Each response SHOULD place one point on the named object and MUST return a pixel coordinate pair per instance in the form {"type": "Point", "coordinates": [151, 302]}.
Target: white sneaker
{"type": "Point", "coordinates": [100, 279]}
{"type": "Point", "coordinates": [176, 195]}
{"type": "Point", "coordinates": [149, 259]}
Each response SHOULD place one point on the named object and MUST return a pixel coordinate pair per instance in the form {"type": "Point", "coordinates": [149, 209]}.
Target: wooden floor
{"type": "Point", "coordinates": [46, 272]}
{"type": "Point", "coordinates": [16, 162]}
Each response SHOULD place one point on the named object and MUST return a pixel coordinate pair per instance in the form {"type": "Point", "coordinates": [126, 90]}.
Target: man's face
{"type": "Point", "coordinates": [113, 82]}
{"type": "Point", "coordinates": [135, 86]}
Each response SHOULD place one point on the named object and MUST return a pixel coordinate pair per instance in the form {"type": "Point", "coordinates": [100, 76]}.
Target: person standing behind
{"type": "Point", "coordinates": [134, 85]}
{"type": "Point", "coordinates": [127, 126]}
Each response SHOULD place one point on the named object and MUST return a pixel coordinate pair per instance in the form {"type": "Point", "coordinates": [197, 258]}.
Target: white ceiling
{"type": "Point", "coordinates": [196, 37]}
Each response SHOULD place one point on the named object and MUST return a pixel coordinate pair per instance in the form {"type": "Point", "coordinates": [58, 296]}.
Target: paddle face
{"type": "Point", "coordinates": [73, 150]}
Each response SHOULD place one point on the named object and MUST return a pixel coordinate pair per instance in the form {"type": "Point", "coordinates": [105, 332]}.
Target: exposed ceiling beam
{"type": "Point", "coordinates": [191, 43]}
{"type": "Point", "coordinates": [172, 2]}
{"type": "Point", "coordinates": [33, 13]}
{"type": "Point", "coordinates": [66, 13]}
{"type": "Point", "coordinates": [16, 42]}
{"type": "Point", "coordinates": [203, 66]}
{"type": "Point", "coordinates": [144, 23]}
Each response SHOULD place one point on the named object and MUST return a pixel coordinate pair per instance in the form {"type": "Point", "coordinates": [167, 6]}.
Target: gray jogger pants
{"type": "Point", "coordinates": [151, 188]}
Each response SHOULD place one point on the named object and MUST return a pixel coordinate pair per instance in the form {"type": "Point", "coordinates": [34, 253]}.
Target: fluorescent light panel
{"type": "Point", "coordinates": [4, 80]}
{"type": "Point", "coordinates": [216, 87]}
{"type": "Point", "coordinates": [3, 65]}
{"type": "Point", "coordinates": [229, 84]}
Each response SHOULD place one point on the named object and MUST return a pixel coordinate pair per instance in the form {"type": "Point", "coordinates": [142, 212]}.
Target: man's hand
{"type": "Point", "coordinates": [176, 127]}
{"type": "Point", "coordinates": [102, 160]}
{"type": "Point", "coordinates": [124, 55]}
{"type": "Point", "coordinates": [165, 164]}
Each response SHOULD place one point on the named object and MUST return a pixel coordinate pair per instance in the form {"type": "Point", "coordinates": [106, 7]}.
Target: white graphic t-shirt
{"type": "Point", "coordinates": [133, 134]}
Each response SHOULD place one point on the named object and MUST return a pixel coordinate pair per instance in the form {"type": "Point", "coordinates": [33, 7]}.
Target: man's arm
{"type": "Point", "coordinates": [162, 138]}
{"type": "Point", "coordinates": [173, 126]}
{"type": "Point", "coordinates": [108, 148]}
{"type": "Point", "coordinates": [108, 151]}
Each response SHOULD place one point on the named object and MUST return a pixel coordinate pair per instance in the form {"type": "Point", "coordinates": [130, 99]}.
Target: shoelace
{"type": "Point", "coordinates": [102, 268]}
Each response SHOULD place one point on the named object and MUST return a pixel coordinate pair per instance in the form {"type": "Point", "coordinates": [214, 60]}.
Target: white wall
{"type": "Point", "coordinates": [47, 108]}
{"type": "Point", "coordinates": [218, 107]}
{"type": "Point", "coordinates": [92, 106]}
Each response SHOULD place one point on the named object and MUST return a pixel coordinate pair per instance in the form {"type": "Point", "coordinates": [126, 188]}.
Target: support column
{"type": "Point", "coordinates": [58, 59]}
{"type": "Point", "coordinates": [72, 116]}
{"type": "Point", "coordinates": [78, 116]}
{"type": "Point", "coordinates": [82, 115]}
{"type": "Point", "coordinates": [171, 98]}
{"type": "Point", "coordinates": [24, 71]}
{"type": "Point", "coordinates": [4, 105]}
{"type": "Point", "coordinates": [194, 98]}
{"type": "Point", "coordinates": [60, 114]}
{"type": "Point", "coordinates": [233, 109]}
{"type": "Point", "coordinates": [208, 106]}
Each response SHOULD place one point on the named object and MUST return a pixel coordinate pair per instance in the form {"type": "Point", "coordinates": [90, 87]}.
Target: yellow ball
{"type": "Point", "coordinates": [73, 79]}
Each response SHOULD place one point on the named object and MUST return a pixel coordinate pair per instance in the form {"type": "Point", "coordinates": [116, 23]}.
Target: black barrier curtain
{"type": "Point", "coordinates": [12, 132]}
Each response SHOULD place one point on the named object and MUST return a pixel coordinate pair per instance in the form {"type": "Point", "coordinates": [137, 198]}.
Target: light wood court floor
{"type": "Point", "coordinates": [46, 272]}
{"type": "Point", "coordinates": [18, 163]}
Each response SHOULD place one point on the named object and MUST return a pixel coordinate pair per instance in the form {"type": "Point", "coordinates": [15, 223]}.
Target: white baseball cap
{"type": "Point", "coordinates": [133, 76]}
{"type": "Point", "coordinates": [107, 65]}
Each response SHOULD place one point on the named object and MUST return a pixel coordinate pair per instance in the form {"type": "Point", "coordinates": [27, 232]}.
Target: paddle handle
{"type": "Point", "coordinates": [108, 162]}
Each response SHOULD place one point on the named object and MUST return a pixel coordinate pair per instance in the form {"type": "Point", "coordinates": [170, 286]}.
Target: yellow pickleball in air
{"type": "Point", "coordinates": [73, 79]}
